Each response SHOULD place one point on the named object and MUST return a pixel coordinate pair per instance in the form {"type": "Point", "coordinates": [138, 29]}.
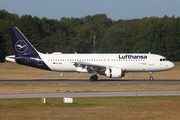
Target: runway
{"type": "Point", "coordinates": [93, 94]}
{"type": "Point", "coordinates": [112, 81]}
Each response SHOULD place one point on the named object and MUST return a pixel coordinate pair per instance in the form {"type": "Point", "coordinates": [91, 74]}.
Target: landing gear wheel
{"type": "Point", "coordinates": [94, 78]}
{"type": "Point", "coordinates": [151, 77]}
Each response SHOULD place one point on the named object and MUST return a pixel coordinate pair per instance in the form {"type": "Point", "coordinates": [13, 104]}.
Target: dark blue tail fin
{"type": "Point", "coordinates": [22, 47]}
{"type": "Point", "coordinates": [25, 53]}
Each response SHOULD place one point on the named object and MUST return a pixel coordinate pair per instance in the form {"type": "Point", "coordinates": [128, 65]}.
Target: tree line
{"type": "Point", "coordinates": [69, 35]}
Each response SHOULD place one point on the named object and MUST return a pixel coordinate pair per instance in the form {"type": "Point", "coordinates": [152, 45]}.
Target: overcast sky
{"type": "Point", "coordinates": [114, 9]}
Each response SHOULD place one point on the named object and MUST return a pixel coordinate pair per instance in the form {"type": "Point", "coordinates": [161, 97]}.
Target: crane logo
{"type": "Point", "coordinates": [21, 46]}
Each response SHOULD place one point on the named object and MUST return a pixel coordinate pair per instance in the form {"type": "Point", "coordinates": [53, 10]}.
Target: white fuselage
{"type": "Point", "coordinates": [128, 62]}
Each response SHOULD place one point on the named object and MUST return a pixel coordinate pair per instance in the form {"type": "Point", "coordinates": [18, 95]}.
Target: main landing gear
{"type": "Point", "coordinates": [151, 77]}
{"type": "Point", "coordinates": [94, 78]}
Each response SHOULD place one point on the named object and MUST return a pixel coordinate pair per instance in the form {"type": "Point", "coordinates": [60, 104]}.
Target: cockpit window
{"type": "Point", "coordinates": [163, 59]}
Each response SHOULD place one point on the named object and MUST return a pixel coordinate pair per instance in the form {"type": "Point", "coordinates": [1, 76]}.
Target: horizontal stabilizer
{"type": "Point", "coordinates": [10, 58]}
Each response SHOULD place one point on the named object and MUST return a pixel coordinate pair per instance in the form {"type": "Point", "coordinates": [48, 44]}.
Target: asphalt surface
{"type": "Point", "coordinates": [112, 81]}
{"type": "Point", "coordinates": [93, 94]}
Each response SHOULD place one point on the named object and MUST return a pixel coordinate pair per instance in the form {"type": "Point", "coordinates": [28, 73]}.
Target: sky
{"type": "Point", "coordinates": [114, 9]}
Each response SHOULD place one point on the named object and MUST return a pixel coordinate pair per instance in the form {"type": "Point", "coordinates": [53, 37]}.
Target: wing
{"type": "Point", "coordinates": [89, 67]}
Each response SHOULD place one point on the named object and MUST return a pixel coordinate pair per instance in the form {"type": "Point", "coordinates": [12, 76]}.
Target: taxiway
{"type": "Point", "coordinates": [93, 94]}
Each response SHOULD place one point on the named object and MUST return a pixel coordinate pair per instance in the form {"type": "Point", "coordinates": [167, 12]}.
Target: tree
{"type": "Point", "coordinates": [155, 35]}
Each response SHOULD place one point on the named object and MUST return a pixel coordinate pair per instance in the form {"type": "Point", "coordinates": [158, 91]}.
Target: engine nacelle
{"type": "Point", "coordinates": [114, 72]}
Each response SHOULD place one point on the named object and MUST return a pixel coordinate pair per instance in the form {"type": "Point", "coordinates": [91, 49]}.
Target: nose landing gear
{"type": "Point", "coordinates": [151, 77]}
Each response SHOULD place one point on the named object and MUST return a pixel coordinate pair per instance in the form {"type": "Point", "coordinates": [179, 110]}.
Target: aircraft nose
{"type": "Point", "coordinates": [171, 65]}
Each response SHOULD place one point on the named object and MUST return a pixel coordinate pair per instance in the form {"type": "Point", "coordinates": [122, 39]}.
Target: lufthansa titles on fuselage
{"type": "Point", "coordinates": [132, 56]}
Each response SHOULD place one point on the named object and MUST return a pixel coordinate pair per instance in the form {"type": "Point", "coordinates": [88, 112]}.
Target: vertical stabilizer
{"type": "Point", "coordinates": [21, 44]}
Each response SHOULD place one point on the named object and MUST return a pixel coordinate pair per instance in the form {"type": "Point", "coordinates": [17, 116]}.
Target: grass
{"type": "Point", "coordinates": [97, 108]}
{"type": "Point", "coordinates": [59, 88]}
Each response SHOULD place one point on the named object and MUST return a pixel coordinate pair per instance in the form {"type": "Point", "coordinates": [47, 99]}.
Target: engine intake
{"type": "Point", "coordinates": [114, 72]}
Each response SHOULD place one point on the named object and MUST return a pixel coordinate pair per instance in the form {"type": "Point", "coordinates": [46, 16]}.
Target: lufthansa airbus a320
{"type": "Point", "coordinates": [110, 65]}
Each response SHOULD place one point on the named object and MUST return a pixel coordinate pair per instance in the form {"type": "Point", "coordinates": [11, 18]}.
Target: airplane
{"type": "Point", "coordinates": [113, 65]}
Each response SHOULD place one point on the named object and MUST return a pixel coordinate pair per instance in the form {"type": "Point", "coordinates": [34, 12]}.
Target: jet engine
{"type": "Point", "coordinates": [114, 72]}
